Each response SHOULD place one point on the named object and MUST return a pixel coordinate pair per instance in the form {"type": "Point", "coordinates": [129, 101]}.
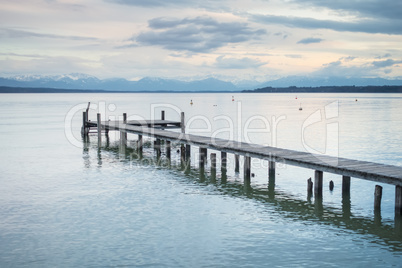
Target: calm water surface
{"type": "Point", "coordinates": [64, 203]}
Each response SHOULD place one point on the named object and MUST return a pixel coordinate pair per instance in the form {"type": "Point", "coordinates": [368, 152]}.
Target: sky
{"type": "Point", "coordinates": [232, 40]}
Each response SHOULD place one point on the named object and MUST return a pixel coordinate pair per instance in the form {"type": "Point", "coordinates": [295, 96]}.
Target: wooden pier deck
{"type": "Point", "coordinates": [354, 168]}
{"type": "Point", "coordinates": [348, 168]}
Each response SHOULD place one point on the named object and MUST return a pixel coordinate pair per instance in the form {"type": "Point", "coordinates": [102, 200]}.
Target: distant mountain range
{"type": "Point", "coordinates": [82, 81]}
{"type": "Point", "coordinates": [87, 82]}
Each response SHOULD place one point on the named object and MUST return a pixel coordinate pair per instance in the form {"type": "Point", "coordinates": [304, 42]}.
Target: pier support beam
{"type": "Point", "coordinates": [247, 169]}
{"type": "Point", "coordinates": [345, 185]}
{"type": "Point", "coordinates": [139, 145]}
{"type": "Point", "coordinates": [309, 188]}
{"type": "Point", "coordinates": [157, 146]}
{"type": "Point", "coordinates": [203, 157]}
{"type": "Point", "coordinates": [224, 166]}
{"type": "Point", "coordinates": [168, 150]}
{"type": "Point", "coordinates": [84, 129]}
{"type": "Point", "coordinates": [213, 166]}
{"type": "Point", "coordinates": [398, 201]}
{"type": "Point", "coordinates": [271, 170]}
{"type": "Point", "coordinates": [99, 125]}
{"type": "Point", "coordinates": [123, 133]}
{"type": "Point", "coordinates": [188, 153]}
{"type": "Point", "coordinates": [237, 163]}
{"type": "Point", "coordinates": [377, 197]}
{"type": "Point", "coordinates": [318, 176]}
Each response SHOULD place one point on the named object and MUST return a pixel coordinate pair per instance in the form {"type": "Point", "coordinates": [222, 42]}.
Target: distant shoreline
{"type": "Point", "coordinates": [323, 89]}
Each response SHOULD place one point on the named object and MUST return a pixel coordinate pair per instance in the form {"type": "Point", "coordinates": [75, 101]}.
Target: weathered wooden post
{"type": "Point", "coordinates": [84, 130]}
{"type": "Point", "coordinates": [271, 169]}
{"type": "Point", "coordinates": [247, 169]}
{"type": "Point", "coordinates": [99, 127]}
{"type": "Point", "coordinates": [123, 133]}
{"type": "Point", "coordinates": [224, 166]}
{"type": "Point", "coordinates": [345, 185]}
{"type": "Point", "coordinates": [318, 176]}
{"type": "Point", "coordinates": [377, 197]}
{"type": "Point", "coordinates": [202, 161]}
{"type": "Point", "coordinates": [139, 146]}
{"type": "Point", "coordinates": [398, 201]}
{"type": "Point", "coordinates": [163, 118]}
{"type": "Point", "coordinates": [213, 166]}
{"type": "Point", "coordinates": [377, 204]}
{"type": "Point", "coordinates": [346, 204]}
{"type": "Point", "coordinates": [188, 153]}
{"type": "Point", "coordinates": [182, 147]}
{"type": "Point", "coordinates": [182, 123]}
{"type": "Point", "coordinates": [331, 185]}
{"type": "Point", "coordinates": [398, 210]}
{"type": "Point", "coordinates": [237, 163]}
{"type": "Point", "coordinates": [158, 149]}
{"type": "Point", "coordinates": [309, 187]}
{"type": "Point", "coordinates": [168, 150]}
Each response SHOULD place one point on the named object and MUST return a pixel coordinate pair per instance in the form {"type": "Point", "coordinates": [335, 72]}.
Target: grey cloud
{"type": "Point", "coordinates": [201, 34]}
{"type": "Point", "coordinates": [13, 33]}
{"type": "Point", "coordinates": [233, 63]}
{"type": "Point", "coordinates": [337, 68]}
{"type": "Point", "coordinates": [388, 9]}
{"type": "Point", "coordinates": [310, 40]}
{"type": "Point", "coordinates": [293, 56]}
{"type": "Point", "coordinates": [366, 26]}
{"type": "Point", "coordinates": [206, 4]}
{"type": "Point", "coordinates": [150, 3]}
{"type": "Point", "coordinates": [385, 63]}
{"type": "Point", "coordinates": [387, 55]}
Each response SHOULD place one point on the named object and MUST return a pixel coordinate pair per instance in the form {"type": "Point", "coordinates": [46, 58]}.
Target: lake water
{"type": "Point", "coordinates": [64, 203]}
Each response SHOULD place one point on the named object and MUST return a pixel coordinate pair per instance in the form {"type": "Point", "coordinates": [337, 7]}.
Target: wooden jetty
{"type": "Point", "coordinates": [348, 168]}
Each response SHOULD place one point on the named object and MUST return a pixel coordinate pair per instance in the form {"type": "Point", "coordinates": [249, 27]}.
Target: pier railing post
{"type": "Point", "coordinates": [182, 123]}
{"type": "Point", "coordinates": [84, 129]}
{"type": "Point", "coordinates": [123, 133]}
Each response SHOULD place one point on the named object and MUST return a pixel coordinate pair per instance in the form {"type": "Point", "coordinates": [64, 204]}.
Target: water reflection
{"type": "Point", "coordinates": [283, 204]}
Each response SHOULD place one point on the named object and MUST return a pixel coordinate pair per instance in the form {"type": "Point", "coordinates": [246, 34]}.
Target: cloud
{"type": "Point", "coordinates": [388, 9]}
{"type": "Point", "coordinates": [148, 3]}
{"type": "Point", "coordinates": [200, 34]}
{"type": "Point", "coordinates": [385, 63]}
{"type": "Point", "coordinates": [13, 33]}
{"type": "Point", "coordinates": [208, 4]}
{"type": "Point", "coordinates": [310, 40]}
{"type": "Point", "coordinates": [234, 63]}
{"type": "Point", "coordinates": [340, 69]}
{"type": "Point", "coordinates": [366, 26]}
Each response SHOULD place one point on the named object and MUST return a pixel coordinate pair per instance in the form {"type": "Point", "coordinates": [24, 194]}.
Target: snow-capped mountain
{"type": "Point", "coordinates": [83, 81]}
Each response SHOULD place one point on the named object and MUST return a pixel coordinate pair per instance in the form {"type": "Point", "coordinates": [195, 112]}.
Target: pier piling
{"type": "Point", "coordinates": [247, 169]}
{"type": "Point", "coordinates": [377, 197]}
{"type": "Point", "coordinates": [237, 163]}
{"type": "Point", "coordinates": [318, 176]}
